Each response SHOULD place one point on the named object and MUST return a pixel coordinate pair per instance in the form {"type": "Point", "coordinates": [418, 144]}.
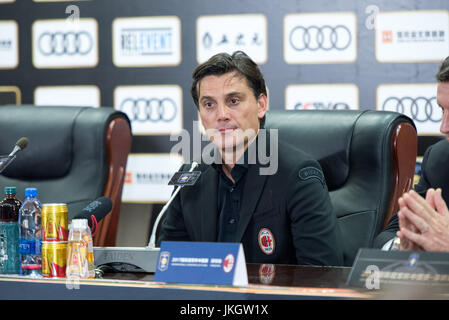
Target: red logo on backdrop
{"type": "Point", "coordinates": [266, 241]}
{"type": "Point", "coordinates": [228, 263]}
{"type": "Point", "coordinates": [387, 36]}
{"type": "Point", "coordinates": [128, 177]}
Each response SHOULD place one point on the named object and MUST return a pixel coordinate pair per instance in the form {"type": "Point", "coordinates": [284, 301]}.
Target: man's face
{"type": "Point", "coordinates": [229, 111]}
{"type": "Point", "coordinates": [443, 102]}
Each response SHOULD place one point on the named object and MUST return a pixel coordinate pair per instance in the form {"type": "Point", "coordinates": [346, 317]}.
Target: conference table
{"type": "Point", "coordinates": [265, 282]}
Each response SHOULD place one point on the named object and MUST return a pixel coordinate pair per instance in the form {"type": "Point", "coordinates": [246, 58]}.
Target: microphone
{"type": "Point", "coordinates": [21, 144]}
{"type": "Point", "coordinates": [152, 243]}
{"type": "Point", "coordinates": [6, 160]}
{"type": "Point", "coordinates": [95, 211]}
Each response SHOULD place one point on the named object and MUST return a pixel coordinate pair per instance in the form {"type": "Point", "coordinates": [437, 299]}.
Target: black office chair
{"type": "Point", "coordinates": [368, 159]}
{"type": "Point", "coordinates": [75, 155]}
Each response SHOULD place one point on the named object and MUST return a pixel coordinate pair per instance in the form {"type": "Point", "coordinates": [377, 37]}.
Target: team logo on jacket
{"type": "Point", "coordinates": [266, 241]}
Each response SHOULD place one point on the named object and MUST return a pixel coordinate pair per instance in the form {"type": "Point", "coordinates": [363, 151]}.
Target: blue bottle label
{"type": "Point", "coordinates": [27, 246]}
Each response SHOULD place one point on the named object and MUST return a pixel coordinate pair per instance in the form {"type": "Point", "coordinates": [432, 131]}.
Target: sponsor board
{"type": "Point", "coordinates": [73, 96]}
{"type": "Point", "coordinates": [10, 95]}
{"type": "Point", "coordinates": [9, 44]}
{"type": "Point", "coordinates": [229, 33]}
{"type": "Point", "coordinates": [417, 101]}
{"type": "Point", "coordinates": [322, 97]}
{"type": "Point", "coordinates": [152, 109]}
{"type": "Point", "coordinates": [412, 36]}
{"type": "Point", "coordinates": [320, 37]}
{"type": "Point", "coordinates": [147, 177]}
{"type": "Point", "coordinates": [62, 43]}
{"type": "Point", "coordinates": [146, 41]}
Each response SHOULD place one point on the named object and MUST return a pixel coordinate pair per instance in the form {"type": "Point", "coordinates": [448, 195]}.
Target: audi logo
{"type": "Point", "coordinates": [325, 37]}
{"type": "Point", "coordinates": [65, 43]}
{"type": "Point", "coordinates": [153, 109]}
{"type": "Point", "coordinates": [420, 109]}
{"type": "Point", "coordinates": [322, 106]}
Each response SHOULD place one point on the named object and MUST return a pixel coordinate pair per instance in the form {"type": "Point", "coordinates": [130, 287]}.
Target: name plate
{"type": "Point", "coordinates": [216, 263]}
{"type": "Point", "coordinates": [373, 268]}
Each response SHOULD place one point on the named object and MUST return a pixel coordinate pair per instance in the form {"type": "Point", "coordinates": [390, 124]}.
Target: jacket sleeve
{"type": "Point", "coordinates": [423, 184]}
{"type": "Point", "coordinates": [316, 234]}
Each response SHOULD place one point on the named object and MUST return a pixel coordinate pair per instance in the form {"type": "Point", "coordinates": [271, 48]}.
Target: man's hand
{"type": "Point", "coordinates": [424, 223]}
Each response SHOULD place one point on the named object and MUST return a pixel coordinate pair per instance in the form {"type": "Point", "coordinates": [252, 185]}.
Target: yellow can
{"type": "Point", "coordinates": [54, 222]}
{"type": "Point", "coordinates": [54, 259]}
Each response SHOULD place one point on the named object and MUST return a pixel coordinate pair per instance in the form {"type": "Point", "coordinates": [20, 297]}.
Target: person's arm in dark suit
{"type": "Point", "coordinates": [393, 225]}
{"type": "Point", "coordinates": [316, 234]}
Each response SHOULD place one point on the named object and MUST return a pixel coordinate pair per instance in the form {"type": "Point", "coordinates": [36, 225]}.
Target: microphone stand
{"type": "Point", "coordinates": [135, 259]}
{"type": "Point", "coordinates": [152, 242]}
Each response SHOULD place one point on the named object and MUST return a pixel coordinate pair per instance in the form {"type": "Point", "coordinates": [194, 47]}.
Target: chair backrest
{"type": "Point", "coordinates": [368, 159]}
{"type": "Point", "coordinates": [75, 155]}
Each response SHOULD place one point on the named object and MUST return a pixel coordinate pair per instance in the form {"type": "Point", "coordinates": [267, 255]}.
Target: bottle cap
{"type": "Point", "coordinates": [31, 192]}
{"type": "Point", "coordinates": [79, 223]}
{"type": "Point", "coordinates": [10, 190]}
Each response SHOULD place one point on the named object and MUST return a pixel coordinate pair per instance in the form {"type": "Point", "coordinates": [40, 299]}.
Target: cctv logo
{"type": "Point", "coordinates": [57, 42]}
{"type": "Point", "coordinates": [319, 105]}
{"type": "Point", "coordinates": [152, 109]}
{"type": "Point", "coordinates": [332, 96]}
{"type": "Point", "coordinates": [320, 38]}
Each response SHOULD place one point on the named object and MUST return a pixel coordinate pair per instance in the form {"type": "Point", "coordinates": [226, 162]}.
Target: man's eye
{"type": "Point", "coordinates": [235, 101]}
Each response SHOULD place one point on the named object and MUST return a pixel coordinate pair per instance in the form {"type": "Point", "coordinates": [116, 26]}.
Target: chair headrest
{"type": "Point", "coordinates": [50, 135]}
{"type": "Point", "coordinates": [330, 147]}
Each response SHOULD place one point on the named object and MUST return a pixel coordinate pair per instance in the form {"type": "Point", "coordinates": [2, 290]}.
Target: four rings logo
{"type": "Point", "coordinates": [420, 109]}
{"type": "Point", "coordinates": [153, 109]}
{"type": "Point", "coordinates": [324, 37]}
{"type": "Point", "coordinates": [58, 43]}
{"type": "Point", "coordinates": [65, 43]}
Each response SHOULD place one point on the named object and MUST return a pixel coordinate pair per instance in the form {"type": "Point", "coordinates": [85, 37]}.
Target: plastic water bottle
{"type": "Point", "coordinates": [80, 251]}
{"type": "Point", "coordinates": [9, 232]}
{"type": "Point", "coordinates": [30, 240]}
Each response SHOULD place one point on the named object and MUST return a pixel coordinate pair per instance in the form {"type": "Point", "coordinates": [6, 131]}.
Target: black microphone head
{"type": "Point", "coordinates": [22, 143]}
{"type": "Point", "coordinates": [98, 208]}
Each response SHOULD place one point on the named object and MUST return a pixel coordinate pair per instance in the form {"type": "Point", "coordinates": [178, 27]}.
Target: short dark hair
{"type": "Point", "coordinates": [443, 73]}
{"type": "Point", "coordinates": [223, 63]}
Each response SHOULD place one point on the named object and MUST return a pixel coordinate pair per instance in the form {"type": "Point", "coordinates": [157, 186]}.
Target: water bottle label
{"type": "Point", "coordinates": [27, 246]}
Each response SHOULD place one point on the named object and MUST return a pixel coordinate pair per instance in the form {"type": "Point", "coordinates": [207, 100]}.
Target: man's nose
{"type": "Point", "coordinates": [223, 111]}
{"type": "Point", "coordinates": [444, 127]}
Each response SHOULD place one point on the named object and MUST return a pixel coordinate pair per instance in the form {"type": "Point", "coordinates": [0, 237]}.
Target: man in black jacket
{"type": "Point", "coordinates": [422, 222]}
{"type": "Point", "coordinates": [280, 211]}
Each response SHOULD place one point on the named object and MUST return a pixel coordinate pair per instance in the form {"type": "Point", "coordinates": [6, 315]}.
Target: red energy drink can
{"type": "Point", "coordinates": [54, 220]}
{"type": "Point", "coordinates": [54, 259]}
